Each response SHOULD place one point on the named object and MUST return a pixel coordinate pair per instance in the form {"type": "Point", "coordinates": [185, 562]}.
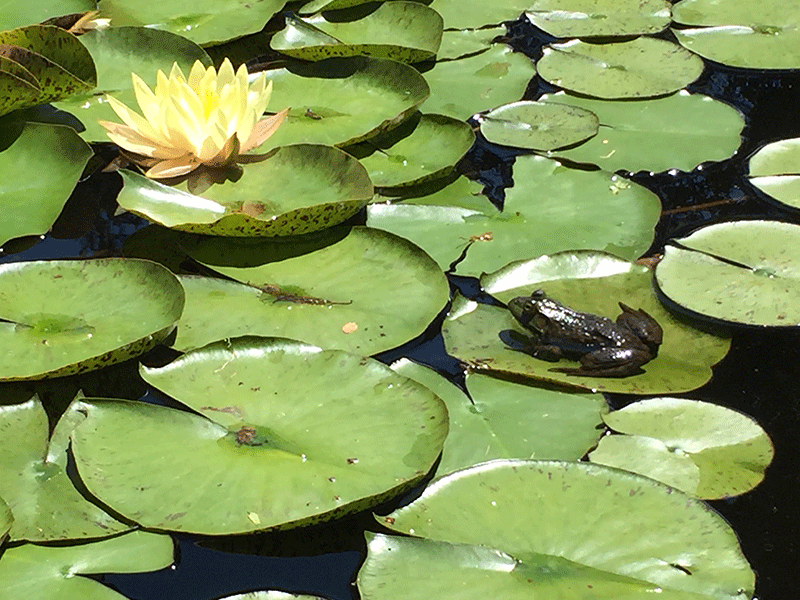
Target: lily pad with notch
{"type": "Point", "coordinates": [61, 317]}
{"type": "Point", "coordinates": [45, 504]}
{"type": "Point", "coordinates": [588, 281]}
{"type": "Point", "coordinates": [673, 132]}
{"type": "Point", "coordinates": [775, 170]}
{"type": "Point", "coordinates": [751, 34]}
{"type": "Point", "coordinates": [50, 572]}
{"type": "Point", "coordinates": [271, 444]}
{"type": "Point", "coordinates": [705, 450]}
{"type": "Point", "coordinates": [741, 272]}
{"type": "Point", "coordinates": [507, 528]}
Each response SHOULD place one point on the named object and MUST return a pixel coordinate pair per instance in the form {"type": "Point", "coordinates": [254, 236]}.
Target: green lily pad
{"type": "Point", "coordinates": [587, 281]}
{"type": "Point", "coordinates": [341, 101]}
{"type": "Point", "coordinates": [599, 18]}
{"type": "Point", "coordinates": [752, 34]}
{"type": "Point", "coordinates": [290, 191]}
{"type": "Point", "coordinates": [508, 420]}
{"type": "Point", "coordinates": [16, 13]}
{"type": "Point", "coordinates": [6, 520]}
{"type": "Point", "coordinates": [41, 64]}
{"type": "Point", "coordinates": [56, 176]}
{"type": "Point", "coordinates": [675, 132]}
{"type": "Point", "coordinates": [61, 317]}
{"type": "Point", "coordinates": [421, 149]}
{"type": "Point", "coordinates": [775, 170]}
{"type": "Point", "coordinates": [462, 87]}
{"type": "Point", "coordinates": [283, 293]}
{"type": "Point", "coordinates": [745, 272]}
{"type": "Point", "coordinates": [459, 43]}
{"type": "Point", "coordinates": [204, 21]}
{"type": "Point", "coordinates": [407, 32]}
{"type": "Point", "coordinates": [705, 450]}
{"type": "Point", "coordinates": [117, 52]}
{"type": "Point", "coordinates": [538, 125]}
{"type": "Point", "coordinates": [509, 528]}
{"type": "Point", "coordinates": [458, 191]}
{"type": "Point", "coordinates": [550, 208]}
{"type": "Point", "coordinates": [638, 68]}
{"type": "Point", "coordinates": [45, 504]}
{"type": "Point", "coordinates": [55, 572]}
{"type": "Point", "coordinates": [277, 445]}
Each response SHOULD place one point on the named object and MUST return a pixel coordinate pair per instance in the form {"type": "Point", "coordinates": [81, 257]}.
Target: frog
{"type": "Point", "coordinates": [605, 348]}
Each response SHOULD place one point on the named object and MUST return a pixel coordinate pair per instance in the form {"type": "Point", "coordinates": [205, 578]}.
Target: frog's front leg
{"type": "Point", "coordinates": [610, 362]}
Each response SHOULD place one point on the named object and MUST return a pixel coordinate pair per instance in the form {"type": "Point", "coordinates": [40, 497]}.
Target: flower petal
{"type": "Point", "coordinates": [173, 168]}
{"type": "Point", "coordinates": [131, 140]}
{"type": "Point", "coordinates": [263, 129]}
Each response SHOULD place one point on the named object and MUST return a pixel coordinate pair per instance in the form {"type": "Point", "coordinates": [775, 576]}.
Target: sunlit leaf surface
{"type": "Point", "coordinates": [745, 272]}
{"type": "Point", "coordinates": [706, 450]}
{"type": "Point", "coordinates": [56, 573]}
{"type": "Point", "coordinates": [509, 528]}
{"type": "Point", "coordinates": [276, 446]}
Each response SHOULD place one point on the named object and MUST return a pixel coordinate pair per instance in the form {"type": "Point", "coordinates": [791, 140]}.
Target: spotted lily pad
{"type": "Point", "coordinates": [341, 101]}
{"type": "Point", "coordinates": [422, 148]}
{"type": "Point", "coordinates": [538, 125]}
{"type": "Point", "coordinates": [292, 190]}
{"type": "Point", "coordinates": [775, 170]}
{"type": "Point", "coordinates": [40, 64]}
{"type": "Point", "coordinates": [745, 272]}
{"type": "Point", "coordinates": [637, 68]}
{"type": "Point", "coordinates": [60, 317]}
{"type": "Point", "coordinates": [56, 176]}
{"type": "Point", "coordinates": [754, 34]}
{"type": "Point", "coordinates": [706, 450]}
{"type": "Point", "coordinates": [403, 31]}
{"type": "Point", "coordinates": [599, 18]}
{"type": "Point", "coordinates": [274, 445]}
{"type": "Point", "coordinates": [593, 282]}
{"type": "Point", "coordinates": [56, 572]}
{"type": "Point", "coordinates": [45, 504]}
{"type": "Point", "coordinates": [282, 292]}
{"type": "Point", "coordinates": [501, 419]}
{"type": "Point", "coordinates": [675, 132]}
{"type": "Point", "coordinates": [513, 528]}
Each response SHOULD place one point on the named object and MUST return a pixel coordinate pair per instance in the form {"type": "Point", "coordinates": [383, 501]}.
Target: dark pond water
{"type": "Point", "coordinates": [760, 376]}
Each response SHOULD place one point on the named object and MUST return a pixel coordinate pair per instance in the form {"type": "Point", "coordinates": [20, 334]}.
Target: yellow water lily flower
{"type": "Point", "coordinates": [209, 119]}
